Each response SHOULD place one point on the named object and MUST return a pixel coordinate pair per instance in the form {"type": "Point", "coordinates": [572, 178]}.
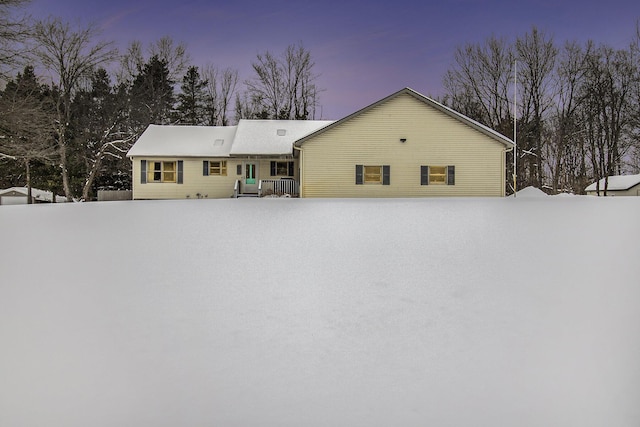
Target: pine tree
{"type": "Point", "coordinates": [26, 131]}
{"type": "Point", "coordinates": [191, 109]}
{"type": "Point", "coordinates": [152, 98]}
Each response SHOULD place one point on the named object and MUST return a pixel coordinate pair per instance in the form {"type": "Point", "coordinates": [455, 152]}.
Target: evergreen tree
{"type": "Point", "coordinates": [152, 97]}
{"type": "Point", "coordinates": [191, 109]}
{"type": "Point", "coordinates": [101, 132]}
{"type": "Point", "coordinates": [26, 123]}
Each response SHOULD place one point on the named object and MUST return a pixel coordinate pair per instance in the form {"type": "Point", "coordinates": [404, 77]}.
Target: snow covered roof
{"type": "Point", "coordinates": [42, 195]}
{"type": "Point", "coordinates": [184, 141]}
{"type": "Point", "coordinates": [272, 137]}
{"type": "Point", "coordinates": [249, 137]}
{"type": "Point", "coordinates": [617, 182]}
{"type": "Point", "coordinates": [443, 108]}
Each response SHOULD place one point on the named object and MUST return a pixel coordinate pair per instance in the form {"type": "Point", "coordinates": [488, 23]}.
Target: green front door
{"type": "Point", "coordinates": [250, 173]}
{"type": "Point", "coordinates": [250, 177]}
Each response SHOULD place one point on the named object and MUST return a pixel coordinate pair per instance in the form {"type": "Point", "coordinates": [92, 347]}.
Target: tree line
{"type": "Point", "coordinates": [71, 134]}
{"type": "Point", "coordinates": [578, 105]}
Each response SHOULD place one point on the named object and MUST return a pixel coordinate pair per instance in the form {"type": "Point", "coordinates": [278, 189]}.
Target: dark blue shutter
{"type": "Point", "coordinates": [291, 171]}
{"type": "Point", "coordinates": [143, 171]}
{"type": "Point", "coordinates": [451, 175]}
{"type": "Point", "coordinates": [205, 168]}
{"type": "Point", "coordinates": [386, 174]}
{"type": "Point", "coordinates": [359, 174]}
{"type": "Point", "coordinates": [424, 175]}
{"type": "Point", "coordinates": [273, 169]}
{"type": "Point", "coordinates": [238, 169]}
{"type": "Point", "coordinates": [180, 169]}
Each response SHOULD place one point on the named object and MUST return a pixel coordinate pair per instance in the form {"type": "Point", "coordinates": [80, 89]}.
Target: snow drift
{"type": "Point", "coordinates": [287, 312]}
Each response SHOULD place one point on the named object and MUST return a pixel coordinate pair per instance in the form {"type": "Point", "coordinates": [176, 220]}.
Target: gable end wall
{"type": "Point", "coordinates": [373, 138]}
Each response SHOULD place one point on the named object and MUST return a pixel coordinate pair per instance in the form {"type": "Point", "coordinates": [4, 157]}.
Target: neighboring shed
{"type": "Point", "coordinates": [618, 185]}
{"type": "Point", "coordinates": [18, 196]}
{"type": "Point", "coordinates": [405, 145]}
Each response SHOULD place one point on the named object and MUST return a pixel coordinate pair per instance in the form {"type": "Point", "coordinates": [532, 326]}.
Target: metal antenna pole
{"type": "Point", "coordinates": [515, 125]}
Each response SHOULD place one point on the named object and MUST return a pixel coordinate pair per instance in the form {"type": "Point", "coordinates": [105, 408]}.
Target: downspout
{"type": "Point", "coordinates": [504, 169]}
{"type": "Point", "coordinates": [300, 166]}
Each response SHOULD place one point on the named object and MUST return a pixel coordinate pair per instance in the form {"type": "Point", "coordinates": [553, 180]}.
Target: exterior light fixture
{"type": "Point", "coordinates": [403, 140]}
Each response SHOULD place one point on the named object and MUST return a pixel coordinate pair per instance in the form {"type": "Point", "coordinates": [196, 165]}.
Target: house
{"type": "Point", "coordinates": [618, 185]}
{"type": "Point", "coordinates": [405, 145]}
{"type": "Point", "coordinates": [19, 196]}
{"type": "Point", "coordinates": [177, 162]}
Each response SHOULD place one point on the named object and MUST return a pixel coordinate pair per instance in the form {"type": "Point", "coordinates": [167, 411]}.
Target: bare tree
{"type": "Point", "coordinates": [565, 150]}
{"type": "Point", "coordinates": [220, 90]}
{"type": "Point", "coordinates": [165, 49]}
{"type": "Point", "coordinates": [479, 83]}
{"type": "Point", "coordinates": [285, 86]}
{"type": "Point", "coordinates": [536, 60]}
{"type": "Point", "coordinates": [13, 33]}
{"type": "Point", "coordinates": [605, 109]}
{"type": "Point", "coordinates": [70, 55]}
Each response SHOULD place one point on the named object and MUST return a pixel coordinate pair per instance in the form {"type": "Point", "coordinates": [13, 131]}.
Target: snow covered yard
{"type": "Point", "coordinates": [295, 312]}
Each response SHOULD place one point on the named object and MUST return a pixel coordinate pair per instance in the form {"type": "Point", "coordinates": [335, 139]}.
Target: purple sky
{"type": "Point", "coordinates": [363, 50]}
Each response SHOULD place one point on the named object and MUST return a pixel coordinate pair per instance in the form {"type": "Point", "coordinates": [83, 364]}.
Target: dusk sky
{"type": "Point", "coordinates": [363, 50]}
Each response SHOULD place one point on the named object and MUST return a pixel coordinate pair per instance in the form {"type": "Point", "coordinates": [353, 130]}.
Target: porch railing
{"type": "Point", "coordinates": [278, 187]}
{"type": "Point", "coordinates": [236, 189]}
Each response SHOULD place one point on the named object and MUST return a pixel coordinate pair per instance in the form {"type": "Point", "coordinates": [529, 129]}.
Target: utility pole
{"type": "Point", "coordinates": [515, 125]}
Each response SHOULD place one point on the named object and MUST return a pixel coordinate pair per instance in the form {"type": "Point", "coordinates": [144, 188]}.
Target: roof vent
{"type": "Point", "coordinates": [218, 142]}
{"type": "Point", "coordinates": [282, 132]}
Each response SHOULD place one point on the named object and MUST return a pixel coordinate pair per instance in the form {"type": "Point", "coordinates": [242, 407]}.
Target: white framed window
{"type": "Point", "coordinates": [437, 175]}
{"type": "Point", "coordinates": [218, 168]}
{"type": "Point", "coordinates": [373, 174]}
{"type": "Point", "coordinates": [214, 167]}
{"type": "Point", "coordinates": [162, 172]}
{"type": "Point", "coordinates": [282, 168]}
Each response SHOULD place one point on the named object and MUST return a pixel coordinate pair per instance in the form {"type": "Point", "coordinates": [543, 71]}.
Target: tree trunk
{"type": "Point", "coordinates": [28, 176]}
{"type": "Point", "coordinates": [92, 176]}
{"type": "Point", "coordinates": [65, 172]}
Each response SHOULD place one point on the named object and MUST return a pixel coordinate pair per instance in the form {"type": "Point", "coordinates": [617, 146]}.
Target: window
{"type": "Point", "coordinates": [437, 175]}
{"type": "Point", "coordinates": [366, 174]}
{"type": "Point", "coordinates": [162, 172]}
{"type": "Point", "coordinates": [283, 168]}
{"type": "Point", "coordinates": [218, 167]}
{"type": "Point", "coordinates": [151, 171]}
{"type": "Point", "coordinates": [373, 174]}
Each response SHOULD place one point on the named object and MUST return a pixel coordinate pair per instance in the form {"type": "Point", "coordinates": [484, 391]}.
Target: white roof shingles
{"type": "Point", "coordinates": [272, 137]}
{"type": "Point", "coordinates": [617, 182]}
{"type": "Point", "coordinates": [184, 141]}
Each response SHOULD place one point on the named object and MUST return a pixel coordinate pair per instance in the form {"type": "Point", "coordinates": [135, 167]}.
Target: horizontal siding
{"type": "Point", "coordinates": [373, 138]}
{"type": "Point", "coordinates": [194, 183]}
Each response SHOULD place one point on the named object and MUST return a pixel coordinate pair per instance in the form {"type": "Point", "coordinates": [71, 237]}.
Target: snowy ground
{"type": "Point", "coordinates": [286, 312]}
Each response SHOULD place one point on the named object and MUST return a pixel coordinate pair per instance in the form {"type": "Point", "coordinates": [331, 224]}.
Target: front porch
{"type": "Point", "coordinates": [283, 187]}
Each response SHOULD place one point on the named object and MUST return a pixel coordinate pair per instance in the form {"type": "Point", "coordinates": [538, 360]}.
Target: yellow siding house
{"type": "Point", "coordinates": [250, 159]}
{"type": "Point", "coordinates": [405, 145]}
